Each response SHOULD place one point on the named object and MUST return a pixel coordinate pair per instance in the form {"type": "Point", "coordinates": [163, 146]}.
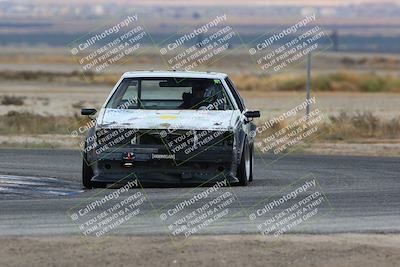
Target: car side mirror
{"type": "Point", "coordinates": [252, 114]}
{"type": "Point", "coordinates": [88, 111]}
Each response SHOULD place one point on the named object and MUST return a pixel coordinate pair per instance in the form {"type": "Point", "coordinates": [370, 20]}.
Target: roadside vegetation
{"type": "Point", "coordinates": [12, 100]}
{"type": "Point", "coordinates": [349, 127]}
{"type": "Point", "coordinates": [59, 77]}
{"type": "Point", "coordinates": [27, 123]}
{"type": "Point", "coordinates": [343, 127]}
{"type": "Point", "coordinates": [331, 82]}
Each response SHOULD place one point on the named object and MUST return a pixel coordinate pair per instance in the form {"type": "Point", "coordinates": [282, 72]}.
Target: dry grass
{"type": "Point", "coordinates": [345, 127]}
{"type": "Point", "coordinates": [361, 125]}
{"type": "Point", "coordinates": [334, 82]}
{"type": "Point", "coordinates": [79, 104]}
{"type": "Point", "coordinates": [341, 127]}
{"type": "Point", "coordinates": [27, 123]}
{"type": "Point", "coordinates": [12, 100]}
{"type": "Point", "coordinates": [57, 77]}
{"type": "Point", "coordinates": [360, 134]}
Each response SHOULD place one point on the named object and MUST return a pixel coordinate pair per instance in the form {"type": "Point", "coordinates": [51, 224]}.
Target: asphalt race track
{"type": "Point", "coordinates": [40, 189]}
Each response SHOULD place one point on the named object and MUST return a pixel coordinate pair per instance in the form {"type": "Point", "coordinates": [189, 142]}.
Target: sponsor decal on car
{"type": "Point", "coordinates": [163, 156]}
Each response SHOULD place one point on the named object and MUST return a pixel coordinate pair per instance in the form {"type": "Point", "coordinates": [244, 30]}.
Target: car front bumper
{"type": "Point", "coordinates": [153, 164]}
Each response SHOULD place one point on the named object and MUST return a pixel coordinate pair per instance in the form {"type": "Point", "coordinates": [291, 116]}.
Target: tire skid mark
{"type": "Point", "coordinates": [30, 187]}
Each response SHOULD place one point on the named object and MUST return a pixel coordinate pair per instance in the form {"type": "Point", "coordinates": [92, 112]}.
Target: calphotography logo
{"type": "Point", "coordinates": [291, 209]}
{"type": "Point", "coordinates": [199, 209]}
{"type": "Point", "coordinates": [107, 211]}
{"type": "Point", "coordinates": [284, 133]}
{"type": "Point", "coordinates": [195, 47]}
{"type": "Point", "coordinates": [110, 46]}
{"type": "Point", "coordinates": [276, 51]}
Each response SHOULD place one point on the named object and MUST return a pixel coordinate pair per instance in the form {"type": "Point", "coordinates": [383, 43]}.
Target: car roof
{"type": "Point", "coordinates": [180, 74]}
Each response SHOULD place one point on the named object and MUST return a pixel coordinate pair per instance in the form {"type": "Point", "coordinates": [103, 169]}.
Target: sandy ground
{"type": "Point", "coordinates": [41, 141]}
{"type": "Point", "coordinates": [53, 99]}
{"type": "Point", "coordinates": [380, 148]}
{"type": "Point", "coordinates": [65, 99]}
{"type": "Point", "coordinates": [382, 105]}
{"type": "Point", "coordinates": [229, 250]}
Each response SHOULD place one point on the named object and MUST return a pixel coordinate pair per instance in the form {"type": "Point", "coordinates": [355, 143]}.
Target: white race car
{"type": "Point", "coordinates": [170, 127]}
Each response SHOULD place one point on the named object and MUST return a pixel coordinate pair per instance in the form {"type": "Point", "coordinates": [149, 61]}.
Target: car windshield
{"type": "Point", "coordinates": [170, 93]}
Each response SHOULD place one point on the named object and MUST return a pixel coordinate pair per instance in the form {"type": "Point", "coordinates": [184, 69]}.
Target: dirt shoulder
{"type": "Point", "coordinates": [388, 148]}
{"type": "Point", "coordinates": [226, 250]}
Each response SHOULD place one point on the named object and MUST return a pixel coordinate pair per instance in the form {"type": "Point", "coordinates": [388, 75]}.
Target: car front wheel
{"type": "Point", "coordinates": [87, 174]}
{"type": "Point", "coordinates": [245, 167]}
{"type": "Point", "coordinates": [251, 163]}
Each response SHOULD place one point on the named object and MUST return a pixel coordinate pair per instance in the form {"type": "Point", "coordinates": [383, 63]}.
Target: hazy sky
{"type": "Point", "coordinates": [225, 2]}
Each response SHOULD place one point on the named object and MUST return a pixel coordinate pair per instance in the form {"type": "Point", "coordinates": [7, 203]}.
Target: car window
{"type": "Point", "coordinates": [131, 92]}
{"type": "Point", "coordinates": [151, 90]}
{"type": "Point", "coordinates": [238, 98]}
{"type": "Point", "coordinates": [171, 93]}
{"type": "Point", "coordinates": [126, 95]}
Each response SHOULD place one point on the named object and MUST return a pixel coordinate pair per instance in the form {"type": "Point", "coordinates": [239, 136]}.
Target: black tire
{"type": "Point", "coordinates": [251, 163]}
{"type": "Point", "coordinates": [87, 171]}
{"type": "Point", "coordinates": [242, 174]}
{"type": "Point", "coordinates": [87, 175]}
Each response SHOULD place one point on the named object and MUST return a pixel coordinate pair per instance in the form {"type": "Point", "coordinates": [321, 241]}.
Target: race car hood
{"type": "Point", "coordinates": [168, 119]}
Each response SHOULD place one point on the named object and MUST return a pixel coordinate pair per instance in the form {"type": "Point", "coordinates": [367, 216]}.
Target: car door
{"type": "Point", "coordinates": [246, 128]}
